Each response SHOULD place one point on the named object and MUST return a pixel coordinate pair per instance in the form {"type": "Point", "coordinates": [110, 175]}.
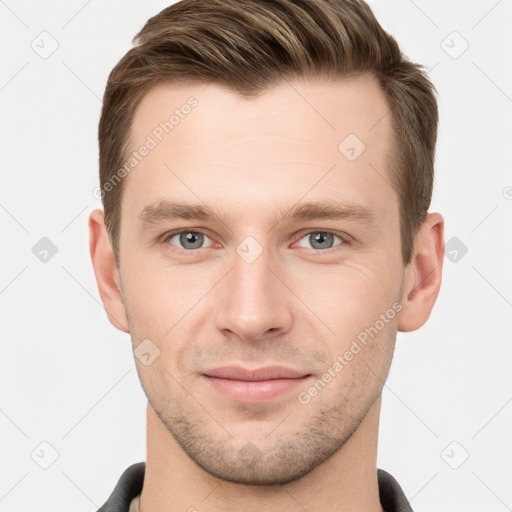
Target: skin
{"type": "Point", "coordinates": [296, 305]}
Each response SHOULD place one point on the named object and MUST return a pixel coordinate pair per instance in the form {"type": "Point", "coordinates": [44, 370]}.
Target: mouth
{"type": "Point", "coordinates": [254, 386]}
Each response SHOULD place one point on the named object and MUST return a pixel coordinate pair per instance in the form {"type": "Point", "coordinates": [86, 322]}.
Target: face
{"type": "Point", "coordinates": [258, 234]}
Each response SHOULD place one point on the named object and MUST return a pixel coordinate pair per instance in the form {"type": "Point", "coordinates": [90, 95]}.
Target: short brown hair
{"type": "Point", "coordinates": [252, 45]}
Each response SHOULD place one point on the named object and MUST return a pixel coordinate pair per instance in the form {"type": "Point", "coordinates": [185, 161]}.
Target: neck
{"type": "Point", "coordinates": [345, 482]}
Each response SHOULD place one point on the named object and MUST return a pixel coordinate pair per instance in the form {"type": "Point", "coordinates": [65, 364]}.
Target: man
{"type": "Point", "coordinates": [266, 171]}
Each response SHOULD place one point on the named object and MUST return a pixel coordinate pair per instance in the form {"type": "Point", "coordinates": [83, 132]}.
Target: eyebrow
{"type": "Point", "coordinates": [165, 210]}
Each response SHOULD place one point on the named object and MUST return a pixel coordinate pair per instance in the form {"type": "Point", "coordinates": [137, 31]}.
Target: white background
{"type": "Point", "coordinates": [68, 378]}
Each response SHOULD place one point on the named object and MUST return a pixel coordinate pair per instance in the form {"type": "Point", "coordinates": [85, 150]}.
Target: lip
{"type": "Point", "coordinates": [266, 373]}
{"type": "Point", "coordinates": [254, 386]}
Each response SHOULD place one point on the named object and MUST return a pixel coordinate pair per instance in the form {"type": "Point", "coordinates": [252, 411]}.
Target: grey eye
{"type": "Point", "coordinates": [320, 240]}
{"type": "Point", "coordinates": [190, 240]}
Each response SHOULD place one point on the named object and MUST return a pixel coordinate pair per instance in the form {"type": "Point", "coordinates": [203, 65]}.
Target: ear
{"type": "Point", "coordinates": [423, 274]}
{"type": "Point", "coordinates": [105, 270]}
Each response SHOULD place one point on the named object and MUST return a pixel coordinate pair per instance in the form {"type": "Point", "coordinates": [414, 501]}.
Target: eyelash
{"type": "Point", "coordinates": [345, 239]}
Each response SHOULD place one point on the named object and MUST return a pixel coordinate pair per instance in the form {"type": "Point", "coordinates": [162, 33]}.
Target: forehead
{"type": "Point", "coordinates": [203, 140]}
{"type": "Point", "coordinates": [308, 109]}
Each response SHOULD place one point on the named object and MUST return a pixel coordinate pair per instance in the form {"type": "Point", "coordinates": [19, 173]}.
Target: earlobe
{"type": "Point", "coordinates": [105, 270]}
{"type": "Point", "coordinates": [423, 274]}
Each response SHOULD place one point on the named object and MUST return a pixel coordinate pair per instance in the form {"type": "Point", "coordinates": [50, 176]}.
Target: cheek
{"type": "Point", "coordinates": [159, 295]}
{"type": "Point", "coordinates": [164, 303]}
{"type": "Point", "coordinates": [350, 296]}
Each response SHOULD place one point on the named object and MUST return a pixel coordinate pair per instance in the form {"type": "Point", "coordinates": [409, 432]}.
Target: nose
{"type": "Point", "coordinates": [253, 302]}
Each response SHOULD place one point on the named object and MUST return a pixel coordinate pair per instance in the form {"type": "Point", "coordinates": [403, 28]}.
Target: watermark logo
{"type": "Point", "coordinates": [455, 249]}
{"type": "Point", "coordinates": [351, 147]}
{"type": "Point", "coordinates": [454, 45]}
{"type": "Point", "coordinates": [45, 45]}
{"type": "Point", "coordinates": [454, 455]}
{"type": "Point", "coordinates": [146, 352]}
{"type": "Point", "coordinates": [44, 455]}
{"type": "Point", "coordinates": [250, 455]}
{"type": "Point", "coordinates": [44, 250]}
{"type": "Point", "coordinates": [249, 249]}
